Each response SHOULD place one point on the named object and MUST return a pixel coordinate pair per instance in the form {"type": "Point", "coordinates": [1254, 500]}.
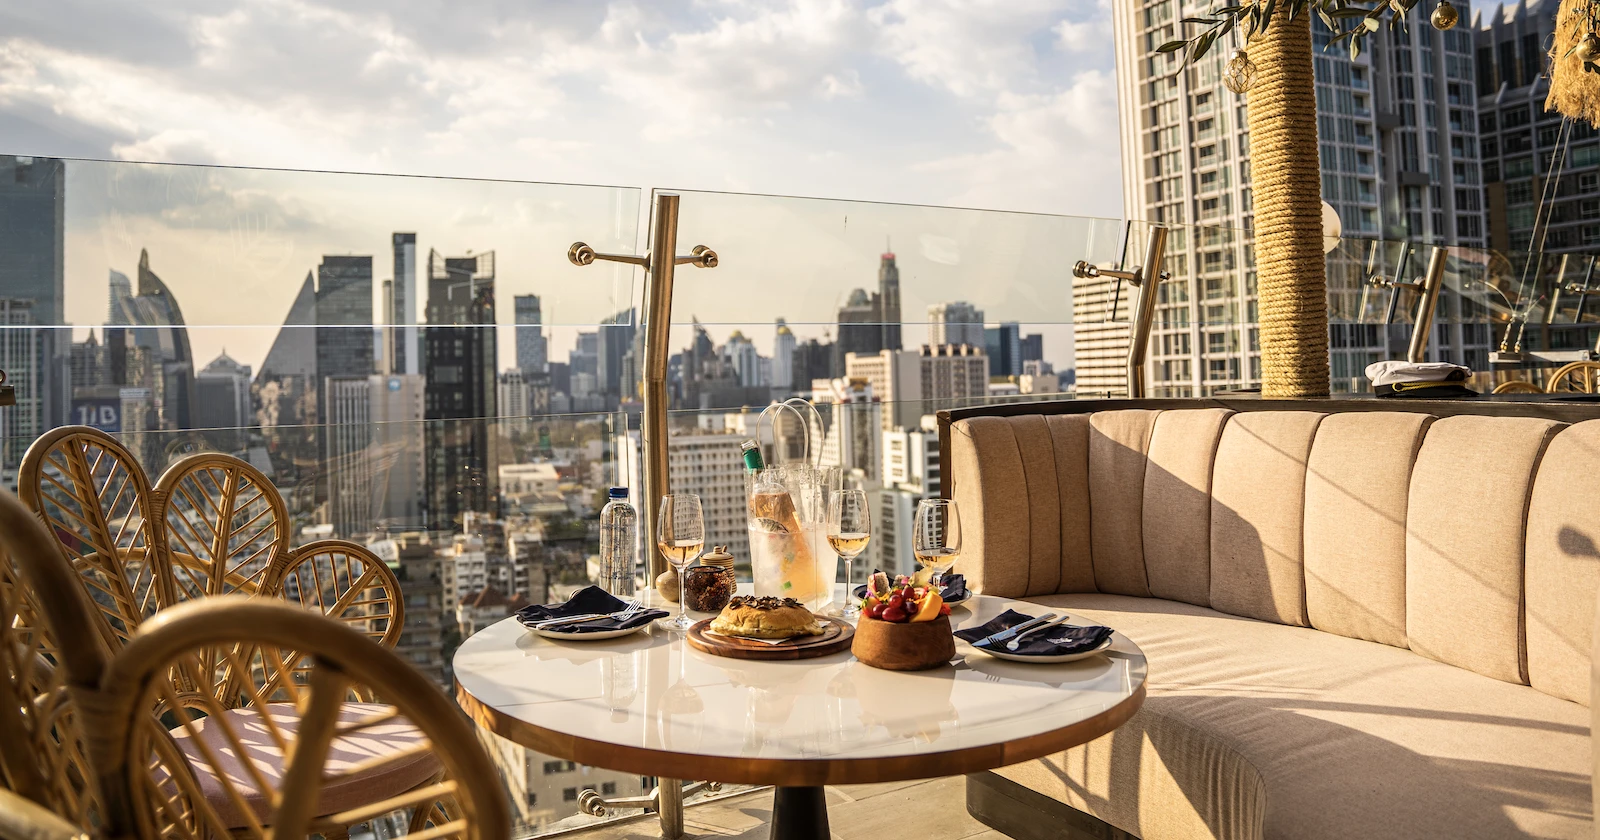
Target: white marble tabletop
{"type": "Point", "coordinates": [649, 703]}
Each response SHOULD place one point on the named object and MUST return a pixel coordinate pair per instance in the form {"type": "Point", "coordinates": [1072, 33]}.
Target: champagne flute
{"type": "Point", "coordinates": [936, 540]}
{"type": "Point", "coordinates": [680, 535]}
{"type": "Point", "coordinates": [849, 529]}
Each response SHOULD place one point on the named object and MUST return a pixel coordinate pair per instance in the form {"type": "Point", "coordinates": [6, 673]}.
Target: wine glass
{"type": "Point", "coordinates": [680, 534]}
{"type": "Point", "coordinates": [936, 540]}
{"type": "Point", "coordinates": [849, 529]}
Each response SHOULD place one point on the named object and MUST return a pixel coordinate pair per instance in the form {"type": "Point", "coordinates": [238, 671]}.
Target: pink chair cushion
{"type": "Point", "coordinates": [341, 788]}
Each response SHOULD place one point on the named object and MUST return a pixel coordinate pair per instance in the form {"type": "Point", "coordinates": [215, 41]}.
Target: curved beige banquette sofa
{"type": "Point", "coordinates": [1361, 622]}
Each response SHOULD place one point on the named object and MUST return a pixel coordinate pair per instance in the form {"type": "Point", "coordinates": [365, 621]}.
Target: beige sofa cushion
{"type": "Point", "coordinates": [1258, 515]}
{"type": "Point", "coordinates": [1357, 484]}
{"type": "Point", "coordinates": [1177, 503]}
{"type": "Point", "coordinates": [1118, 441]}
{"type": "Point", "coordinates": [986, 483]}
{"type": "Point", "coordinates": [1259, 730]}
{"type": "Point", "coordinates": [1563, 563]}
{"type": "Point", "coordinates": [1069, 434]}
{"type": "Point", "coordinates": [1008, 477]}
{"type": "Point", "coordinates": [1465, 534]}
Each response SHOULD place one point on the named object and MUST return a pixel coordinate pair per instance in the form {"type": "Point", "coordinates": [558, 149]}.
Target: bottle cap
{"type": "Point", "coordinates": [618, 493]}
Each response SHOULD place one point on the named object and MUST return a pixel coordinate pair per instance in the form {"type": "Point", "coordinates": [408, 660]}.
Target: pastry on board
{"type": "Point", "coordinates": [765, 618]}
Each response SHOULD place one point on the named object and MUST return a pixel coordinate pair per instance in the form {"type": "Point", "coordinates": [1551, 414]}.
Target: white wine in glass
{"type": "Point", "coordinates": [849, 531]}
{"type": "Point", "coordinates": [936, 539]}
{"type": "Point", "coordinates": [680, 535]}
{"type": "Point", "coordinates": [680, 552]}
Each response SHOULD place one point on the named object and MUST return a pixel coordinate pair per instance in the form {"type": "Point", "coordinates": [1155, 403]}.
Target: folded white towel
{"type": "Point", "coordinates": [1395, 371]}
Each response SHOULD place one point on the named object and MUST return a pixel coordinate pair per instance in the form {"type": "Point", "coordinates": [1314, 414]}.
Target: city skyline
{"type": "Point", "coordinates": [259, 232]}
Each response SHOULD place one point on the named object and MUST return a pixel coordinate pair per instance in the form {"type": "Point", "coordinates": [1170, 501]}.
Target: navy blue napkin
{"type": "Point", "coordinates": [1054, 641]}
{"type": "Point", "coordinates": [590, 599]}
{"type": "Point", "coordinates": [954, 590]}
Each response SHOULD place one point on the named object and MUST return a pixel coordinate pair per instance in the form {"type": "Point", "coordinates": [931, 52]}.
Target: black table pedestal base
{"type": "Point", "coordinates": [799, 813]}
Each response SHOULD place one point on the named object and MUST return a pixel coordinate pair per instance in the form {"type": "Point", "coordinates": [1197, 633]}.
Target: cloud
{"type": "Point", "coordinates": [1045, 143]}
{"type": "Point", "coordinates": [901, 100]}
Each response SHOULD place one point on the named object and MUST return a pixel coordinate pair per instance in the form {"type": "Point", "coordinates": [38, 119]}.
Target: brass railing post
{"type": "Point", "coordinates": [657, 332]}
{"type": "Point", "coordinates": [1145, 278]}
{"type": "Point", "coordinates": [659, 264]}
{"type": "Point", "coordinates": [1428, 300]}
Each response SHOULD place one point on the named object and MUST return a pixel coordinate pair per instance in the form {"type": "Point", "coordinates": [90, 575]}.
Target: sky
{"type": "Point", "coordinates": [995, 105]}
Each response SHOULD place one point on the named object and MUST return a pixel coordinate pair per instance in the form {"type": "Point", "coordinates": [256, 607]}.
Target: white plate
{"type": "Point", "coordinates": [1002, 653]}
{"type": "Point", "coordinates": [556, 633]}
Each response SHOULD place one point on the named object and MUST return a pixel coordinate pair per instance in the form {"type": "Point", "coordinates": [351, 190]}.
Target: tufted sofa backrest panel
{"type": "Point", "coordinates": [1474, 540]}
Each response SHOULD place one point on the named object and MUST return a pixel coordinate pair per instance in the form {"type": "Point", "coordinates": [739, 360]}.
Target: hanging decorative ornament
{"type": "Point", "coordinates": [1445, 16]}
{"type": "Point", "coordinates": [1588, 48]}
{"type": "Point", "coordinates": [1240, 75]}
{"type": "Point", "coordinates": [1399, 7]}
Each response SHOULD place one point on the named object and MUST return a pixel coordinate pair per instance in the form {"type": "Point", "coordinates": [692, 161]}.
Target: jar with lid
{"type": "Point", "coordinates": [709, 586]}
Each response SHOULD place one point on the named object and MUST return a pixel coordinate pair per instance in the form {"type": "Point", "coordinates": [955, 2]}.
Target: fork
{"type": "Point", "coordinates": [1003, 635]}
{"type": "Point", "coordinates": [630, 611]}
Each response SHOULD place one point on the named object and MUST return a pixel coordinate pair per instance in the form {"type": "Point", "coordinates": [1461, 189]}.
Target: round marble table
{"type": "Point", "coordinates": [650, 704]}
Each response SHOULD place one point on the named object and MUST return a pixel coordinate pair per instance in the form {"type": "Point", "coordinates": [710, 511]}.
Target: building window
{"type": "Point", "coordinates": [608, 788]}
{"type": "Point", "coordinates": [569, 795]}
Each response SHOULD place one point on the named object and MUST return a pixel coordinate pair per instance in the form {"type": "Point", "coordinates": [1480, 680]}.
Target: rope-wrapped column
{"type": "Point", "coordinates": [1286, 179]}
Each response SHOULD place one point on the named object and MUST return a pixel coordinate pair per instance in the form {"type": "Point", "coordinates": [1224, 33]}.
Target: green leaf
{"type": "Point", "coordinates": [1355, 48]}
{"type": "Point", "coordinates": [1172, 46]}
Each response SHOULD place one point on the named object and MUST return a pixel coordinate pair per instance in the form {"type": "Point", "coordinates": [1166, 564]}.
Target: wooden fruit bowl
{"type": "Point", "coordinates": [904, 647]}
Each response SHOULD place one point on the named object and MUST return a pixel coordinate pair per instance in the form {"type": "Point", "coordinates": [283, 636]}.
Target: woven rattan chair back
{"type": "Point", "coordinates": [222, 523]}
{"type": "Point", "coordinates": [275, 770]}
{"type": "Point", "coordinates": [43, 757]}
{"type": "Point", "coordinates": [212, 525]}
{"type": "Point", "coordinates": [96, 501]}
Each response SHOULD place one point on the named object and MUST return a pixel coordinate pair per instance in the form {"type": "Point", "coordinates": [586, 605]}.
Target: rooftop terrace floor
{"type": "Point", "coordinates": [933, 809]}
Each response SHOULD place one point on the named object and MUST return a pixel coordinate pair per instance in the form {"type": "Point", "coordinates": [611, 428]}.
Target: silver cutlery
{"type": "Point", "coordinates": [1009, 632]}
{"type": "Point", "coordinates": [632, 610]}
{"type": "Point", "coordinates": [1016, 641]}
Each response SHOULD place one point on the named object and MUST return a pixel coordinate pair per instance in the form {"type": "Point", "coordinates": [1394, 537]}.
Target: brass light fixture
{"type": "Point", "coordinates": [1240, 74]}
{"type": "Point", "coordinates": [1445, 16]}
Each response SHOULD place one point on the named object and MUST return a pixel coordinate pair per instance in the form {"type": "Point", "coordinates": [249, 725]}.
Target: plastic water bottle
{"type": "Point", "coordinates": [619, 529]}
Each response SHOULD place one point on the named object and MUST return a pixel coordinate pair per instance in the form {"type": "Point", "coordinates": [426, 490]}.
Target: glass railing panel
{"type": "Point", "coordinates": [142, 297]}
{"type": "Point", "coordinates": [109, 242]}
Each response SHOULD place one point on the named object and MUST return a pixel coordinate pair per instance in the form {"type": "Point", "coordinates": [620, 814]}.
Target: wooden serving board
{"type": "Point", "coordinates": [837, 635]}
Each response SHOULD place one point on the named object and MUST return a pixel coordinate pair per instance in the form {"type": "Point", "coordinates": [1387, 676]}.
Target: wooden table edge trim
{"type": "Point", "coordinates": [796, 772]}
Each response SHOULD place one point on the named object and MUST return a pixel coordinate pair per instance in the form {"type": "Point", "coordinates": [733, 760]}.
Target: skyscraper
{"type": "Point", "coordinates": [344, 320]}
{"type": "Point", "coordinates": [955, 322]}
{"type": "Point", "coordinates": [533, 354]}
{"type": "Point", "coordinates": [859, 327]}
{"type": "Point", "coordinates": [32, 270]}
{"type": "Point", "coordinates": [616, 339]}
{"type": "Point", "coordinates": [783, 344]}
{"type": "Point", "coordinates": [889, 301]}
{"type": "Point", "coordinates": [1003, 344]}
{"type": "Point", "coordinates": [223, 405]}
{"type": "Point", "coordinates": [347, 465]}
{"type": "Point", "coordinates": [1398, 134]}
{"type": "Point", "coordinates": [154, 324]}
{"type": "Point", "coordinates": [404, 340]}
{"type": "Point", "coordinates": [284, 392]}
{"type": "Point", "coordinates": [460, 355]}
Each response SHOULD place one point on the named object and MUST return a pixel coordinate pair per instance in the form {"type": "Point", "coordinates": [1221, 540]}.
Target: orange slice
{"type": "Point", "coordinates": [929, 609]}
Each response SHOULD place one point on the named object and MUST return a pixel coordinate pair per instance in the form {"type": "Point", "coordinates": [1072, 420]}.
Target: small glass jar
{"type": "Point", "coordinates": [709, 586]}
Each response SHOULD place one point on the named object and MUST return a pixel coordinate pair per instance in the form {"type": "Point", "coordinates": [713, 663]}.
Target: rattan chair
{"type": "Point", "coordinates": [212, 525]}
{"type": "Point", "coordinates": [302, 758]}
{"type": "Point", "coordinates": [42, 757]}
